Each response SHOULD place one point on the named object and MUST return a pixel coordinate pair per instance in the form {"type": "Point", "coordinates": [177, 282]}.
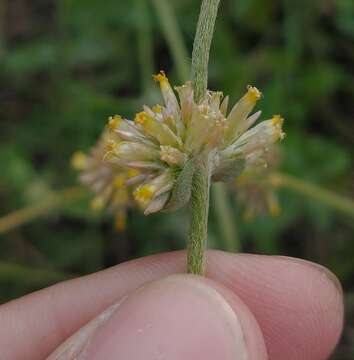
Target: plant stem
{"type": "Point", "coordinates": [27, 214]}
{"type": "Point", "coordinates": [201, 47]}
{"type": "Point", "coordinates": [226, 222]}
{"type": "Point", "coordinates": [173, 37]}
{"type": "Point", "coordinates": [327, 197]}
{"type": "Point", "coordinates": [199, 217]}
{"type": "Point", "coordinates": [225, 219]}
{"type": "Point", "coordinates": [145, 44]}
{"type": "Point", "coordinates": [198, 231]}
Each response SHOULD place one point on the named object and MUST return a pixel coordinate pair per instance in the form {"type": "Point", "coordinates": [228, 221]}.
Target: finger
{"type": "Point", "coordinates": [296, 303]}
{"type": "Point", "coordinates": [178, 317]}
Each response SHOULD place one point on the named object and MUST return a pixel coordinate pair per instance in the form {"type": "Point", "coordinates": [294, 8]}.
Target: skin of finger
{"type": "Point", "coordinates": [179, 317]}
{"type": "Point", "coordinates": [299, 309]}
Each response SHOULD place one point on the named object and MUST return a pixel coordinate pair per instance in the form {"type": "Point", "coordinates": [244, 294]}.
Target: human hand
{"type": "Point", "coordinates": [249, 307]}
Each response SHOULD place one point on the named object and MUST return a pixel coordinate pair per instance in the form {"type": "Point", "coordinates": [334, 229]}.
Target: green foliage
{"type": "Point", "coordinates": [60, 79]}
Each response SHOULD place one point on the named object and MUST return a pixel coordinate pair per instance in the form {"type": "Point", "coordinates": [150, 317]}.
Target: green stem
{"type": "Point", "coordinates": [199, 217]}
{"type": "Point", "coordinates": [29, 213]}
{"type": "Point", "coordinates": [226, 221]}
{"type": "Point", "coordinates": [201, 47]}
{"type": "Point", "coordinates": [173, 37]}
{"type": "Point", "coordinates": [223, 211]}
{"type": "Point", "coordinates": [145, 44]}
{"type": "Point", "coordinates": [198, 231]}
{"type": "Point", "coordinates": [327, 197]}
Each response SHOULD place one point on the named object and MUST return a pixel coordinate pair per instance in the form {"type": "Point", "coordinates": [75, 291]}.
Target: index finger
{"type": "Point", "coordinates": [297, 304]}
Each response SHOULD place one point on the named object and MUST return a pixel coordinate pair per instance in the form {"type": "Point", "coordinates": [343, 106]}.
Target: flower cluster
{"type": "Point", "coordinates": [255, 191]}
{"type": "Point", "coordinates": [161, 140]}
{"type": "Point", "coordinates": [111, 184]}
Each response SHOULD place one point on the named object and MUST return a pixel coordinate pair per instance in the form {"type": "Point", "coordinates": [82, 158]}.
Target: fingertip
{"type": "Point", "coordinates": [298, 304]}
{"type": "Point", "coordinates": [179, 317]}
{"type": "Point", "coordinates": [320, 295]}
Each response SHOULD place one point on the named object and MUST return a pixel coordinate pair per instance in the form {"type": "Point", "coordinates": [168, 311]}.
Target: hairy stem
{"type": "Point", "coordinates": [198, 231]}
{"type": "Point", "coordinates": [224, 217]}
{"type": "Point", "coordinates": [199, 217]}
{"type": "Point", "coordinates": [338, 202]}
{"type": "Point", "coordinates": [173, 37]}
{"type": "Point", "coordinates": [201, 47]}
{"type": "Point", "coordinates": [226, 222]}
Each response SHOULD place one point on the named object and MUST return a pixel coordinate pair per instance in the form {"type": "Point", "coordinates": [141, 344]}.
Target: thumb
{"type": "Point", "coordinates": [179, 317]}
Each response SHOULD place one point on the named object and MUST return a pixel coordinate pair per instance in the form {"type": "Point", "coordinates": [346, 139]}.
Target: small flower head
{"type": "Point", "coordinates": [254, 191]}
{"type": "Point", "coordinates": [110, 183]}
{"type": "Point", "coordinates": [161, 140]}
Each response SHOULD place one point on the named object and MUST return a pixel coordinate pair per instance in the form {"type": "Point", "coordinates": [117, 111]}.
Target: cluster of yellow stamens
{"type": "Point", "coordinates": [144, 193]}
{"type": "Point", "coordinates": [253, 94]}
{"type": "Point", "coordinates": [278, 121]}
{"type": "Point", "coordinates": [113, 122]}
{"type": "Point", "coordinates": [162, 139]}
{"type": "Point", "coordinates": [160, 77]}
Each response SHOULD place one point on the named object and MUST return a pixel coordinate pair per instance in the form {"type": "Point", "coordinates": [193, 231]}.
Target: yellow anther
{"type": "Point", "coordinates": [111, 145]}
{"type": "Point", "coordinates": [132, 173]}
{"type": "Point", "coordinates": [157, 108]}
{"type": "Point", "coordinates": [160, 77]}
{"type": "Point", "coordinates": [119, 181]}
{"type": "Point", "coordinates": [253, 94]}
{"type": "Point", "coordinates": [274, 209]}
{"type": "Point", "coordinates": [97, 203]}
{"type": "Point", "coordinates": [144, 193]}
{"type": "Point", "coordinates": [113, 122]}
{"type": "Point", "coordinates": [79, 160]}
{"type": "Point", "coordinates": [142, 118]}
{"type": "Point", "coordinates": [120, 221]}
{"type": "Point", "coordinates": [277, 120]}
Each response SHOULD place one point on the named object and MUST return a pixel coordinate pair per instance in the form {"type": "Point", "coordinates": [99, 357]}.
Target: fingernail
{"type": "Point", "coordinates": [179, 317]}
{"type": "Point", "coordinates": [329, 274]}
{"type": "Point", "coordinates": [75, 345]}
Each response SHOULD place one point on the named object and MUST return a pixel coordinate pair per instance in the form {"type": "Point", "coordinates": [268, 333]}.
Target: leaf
{"type": "Point", "coordinates": [181, 192]}
{"type": "Point", "coordinates": [228, 170]}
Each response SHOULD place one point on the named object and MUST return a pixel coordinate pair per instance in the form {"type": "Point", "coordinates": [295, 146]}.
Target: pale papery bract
{"type": "Point", "coordinates": [163, 139]}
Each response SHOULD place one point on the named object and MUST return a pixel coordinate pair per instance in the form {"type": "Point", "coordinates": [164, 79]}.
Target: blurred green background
{"type": "Point", "coordinates": [66, 65]}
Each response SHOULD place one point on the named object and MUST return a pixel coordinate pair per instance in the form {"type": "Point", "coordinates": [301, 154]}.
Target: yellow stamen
{"type": "Point", "coordinates": [119, 181]}
{"type": "Point", "coordinates": [120, 221]}
{"type": "Point", "coordinates": [253, 94]}
{"type": "Point", "coordinates": [132, 173]}
{"type": "Point", "coordinates": [113, 122]}
{"type": "Point", "coordinates": [143, 119]}
{"type": "Point", "coordinates": [277, 120]}
{"type": "Point", "coordinates": [79, 160]}
{"type": "Point", "coordinates": [156, 129]}
{"type": "Point", "coordinates": [144, 193]}
{"type": "Point", "coordinates": [160, 77]}
{"type": "Point", "coordinates": [157, 108]}
{"type": "Point", "coordinates": [97, 203]}
{"type": "Point", "coordinates": [111, 145]}
{"type": "Point", "coordinates": [274, 209]}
